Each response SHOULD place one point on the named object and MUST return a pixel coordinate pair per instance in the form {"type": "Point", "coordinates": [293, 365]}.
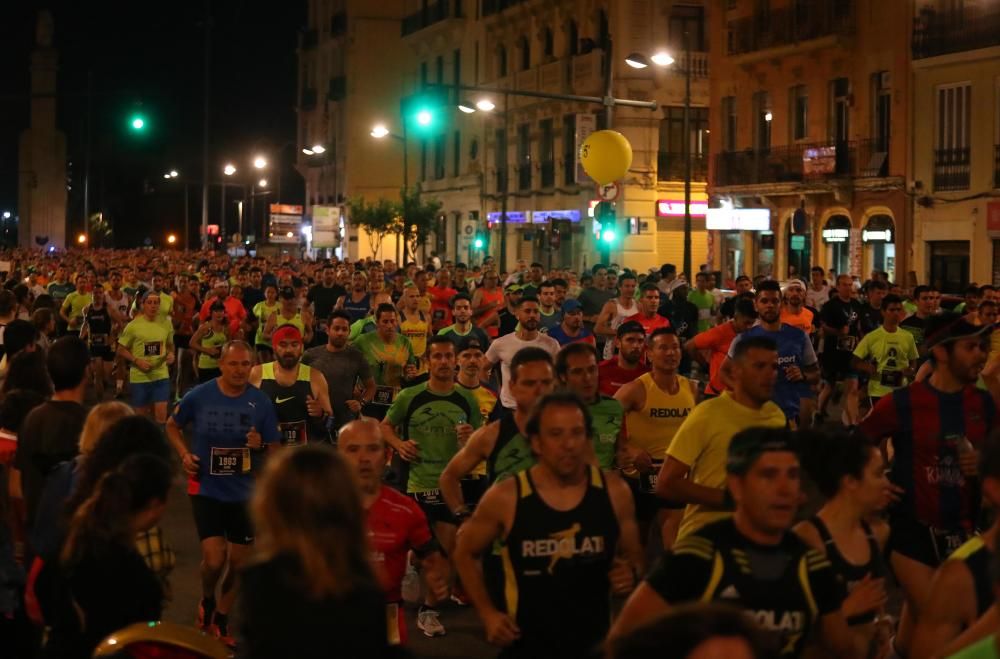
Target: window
{"type": "Point", "coordinates": [839, 129]}
{"type": "Point", "coordinates": [439, 69]}
{"type": "Point", "coordinates": [689, 19]}
{"type": "Point", "coordinates": [881, 110]}
{"type": "Point", "coordinates": [548, 43]}
{"type": "Point", "coordinates": [762, 117]}
{"type": "Point", "coordinates": [456, 154]}
{"type": "Point", "coordinates": [572, 38]}
{"type": "Point", "coordinates": [440, 146]}
{"type": "Point", "coordinates": [729, 123]}
{"type": "Point", "coordinates": [603, 30]}
{"type": "Point", "coordinates": [952, 137]}
{"type": "Point", "coordinates": [524, 53]}
{"type": "Point", "coordinates": [798, 111]}
{"type": "Point", "coordinates": [670, 162]}
{"type": "Point", "coordinates": [546, 153]}
{"type": "Point", "coordinates": [524, 157]}
{"type": "Point", "coordinates": [423, 74]}
{"type": "Point", "coordinates": [500, 159]}
{"type": "Point", "coordinates": [501, 61]}
{"type": "Point", "coordinates": [456, 73]}
{"type": "Point", "coordinates": [569, 148]}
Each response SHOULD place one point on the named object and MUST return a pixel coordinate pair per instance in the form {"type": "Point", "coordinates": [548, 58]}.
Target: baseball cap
{"type": "Point", "coordinates": [793, 283]}
{"type": "Point", "coordinates": [469, 343]}
{"type": "Point", "coordinates": [949, 327]}
{"type": "Point", "coordinates": [571, 305]}
{"type": "Point", "coordinates": [748, 445]}
{"type": "Point", "coordinates": [513, 288]}
{"type": "Point", "coordinates": [287, 293]}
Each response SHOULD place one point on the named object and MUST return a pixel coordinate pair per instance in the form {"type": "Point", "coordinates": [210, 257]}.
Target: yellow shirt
{"type": "Point", "coordinates": [652, 427]}
{"type": "Point", "coordinates": [702, 443]}
{"type": "Point", "coordinates": [415, 328]}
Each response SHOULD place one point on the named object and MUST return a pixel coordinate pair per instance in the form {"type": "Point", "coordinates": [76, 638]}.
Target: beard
{"type": "Point", "coordinates": [288, 361]}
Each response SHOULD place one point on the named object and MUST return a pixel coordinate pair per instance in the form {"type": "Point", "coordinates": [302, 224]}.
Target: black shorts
{"type": "Point", "coordinates": [647, 504]}
{"type": "Point", "coordinates": [923, 543]}
{"type": "Point", "coordinates": [222, 519]}
{"type": "Point", "coordinates": [835, 365]}
{"type": "Point", "coordinates": [182, 341]}
{"type": "Point", "coordinates": [104, 353]}
{"type": "Point", "coordinates": [433, 505]}
{"type": "Point", "coordinates": [473, 489]}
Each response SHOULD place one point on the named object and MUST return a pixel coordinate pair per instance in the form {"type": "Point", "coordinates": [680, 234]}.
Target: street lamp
{"type": "Point", "coordinates": [6, 215]}
{"type": "Point", "coordinates": [467, 109]}
{"type": "Point", "coordinates": [260, 162]}
{"type": "Point", "coordinates": [171, 239]}
{"type": "Point", "coordinates": [174, 173]}
{"type": "Point", "coordinates": [229, 169]}
{"type": "Point", "coordinates": [262, 183]}
{"type": "Point", "coordinates": [81, 238]}
{"type": "Point", "coordinates": [485, 104]}
{"type": "Point", "coordinates": [379, 131]}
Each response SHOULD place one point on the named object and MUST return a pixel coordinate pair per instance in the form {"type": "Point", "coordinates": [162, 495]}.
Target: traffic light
{"type": "Point", "coordinates": [424, 112]}
{"type": "Point", "coordinates": [137, 122]}
{"type": "Point", "coordinates": [604, 218]}
{"type": "Point", "coordinates": [480, 241]}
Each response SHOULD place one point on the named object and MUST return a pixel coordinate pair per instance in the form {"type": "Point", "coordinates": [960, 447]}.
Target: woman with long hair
{"type": "Point", "coordinates": [102, 577]}
{"type": "Point", "coordinates": [312, 571]}
{"type": "Point", "coordinates": [850, 473]}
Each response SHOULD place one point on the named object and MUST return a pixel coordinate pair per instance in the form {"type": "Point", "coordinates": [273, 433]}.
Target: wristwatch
{"type": "Point", "coordinates": [461, 513]}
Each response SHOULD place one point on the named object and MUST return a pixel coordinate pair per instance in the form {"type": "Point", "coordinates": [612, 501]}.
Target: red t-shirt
{"type": "Point", "coordinates": [395, 526]}
{"type": "Point", "coordinates": [612, 377]}
{"type": "Point", "coordinates": [235, 313]}
{"type": "Point", "coordinates": [649, 324]}
{"type": "Point", "coordinates": [717, 340]}
{"type": "Point", "coordinates": [441, 306]}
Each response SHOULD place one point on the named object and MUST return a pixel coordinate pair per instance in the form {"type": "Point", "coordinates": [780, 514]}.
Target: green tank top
{"type": "Point", "coordinates": [211, 340]}
{"type": "Point", "coordinates": [606, 416]}
{"type": "Point", "coordinates": [263, 311]}
{"type": "Point", "coordinates": [295, 321]}
{"type": "Point", "coordinates": [511, 454]}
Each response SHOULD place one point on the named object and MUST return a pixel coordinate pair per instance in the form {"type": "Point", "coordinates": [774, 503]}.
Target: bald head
{"type": "Point", "coordinates": [360, 430]}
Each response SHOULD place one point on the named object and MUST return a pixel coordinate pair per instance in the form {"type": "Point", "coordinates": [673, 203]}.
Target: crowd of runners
{"type": "Point", "coordinates": [608, 463]}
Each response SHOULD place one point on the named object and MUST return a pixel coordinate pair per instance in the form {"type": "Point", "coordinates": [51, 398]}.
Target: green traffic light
{"type": "Point", "coordinates": [608, 235]}
{"type": "Point", "coordinates": [479, 243]}
{"type": "Point", "coordinates": [137, 123]}
{"type": "Point", "coordinates": [425, 118]}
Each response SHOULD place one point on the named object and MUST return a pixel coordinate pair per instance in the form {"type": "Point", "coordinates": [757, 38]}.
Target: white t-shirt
{"type": "Point", "coordinates": [816, 299]}
{"type": "Point", "coordinates": [503, 350]}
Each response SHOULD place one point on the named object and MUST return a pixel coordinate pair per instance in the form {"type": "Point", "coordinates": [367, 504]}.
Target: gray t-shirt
{"type": "Point", "coordinates": [342, 370]}
{"type": "Point", "coordinates": [592, 300]}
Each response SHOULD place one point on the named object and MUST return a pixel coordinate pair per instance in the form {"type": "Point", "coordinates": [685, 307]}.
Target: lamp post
{"type": "Point", "coordinates": [379, 131]}
{"type": "Point", "coordinates": [173, 174]}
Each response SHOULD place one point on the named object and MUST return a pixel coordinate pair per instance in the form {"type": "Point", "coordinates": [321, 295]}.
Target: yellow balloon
{"type": "Point", "coordinates": [606, 156]}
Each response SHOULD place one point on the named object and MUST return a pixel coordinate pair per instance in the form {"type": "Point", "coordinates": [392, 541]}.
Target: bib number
{"type": "Point", "coordinates": [98, 340]}
{"type": "Point", "coordinates": [293, 433]}
{"type": "Point", "coordinates": [647, 482]}
{"type": "Point", "coordinates": [429, 498]}
{"type": "Point", "coordinates": [384, 395]}
{"type": "Point", "coordinates": [152, 349]}
{"type": "Point", "coordinates": [947, 541]}
{"type": "Point", "coordinates": [230, 461]}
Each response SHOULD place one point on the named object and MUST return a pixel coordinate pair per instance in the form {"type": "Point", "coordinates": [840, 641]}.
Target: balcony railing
{"type": "Point", "coordinates": [431, 14]}
{"type": "Point", "coordinates": [308, 99]}
{"type": "Point", "coordinates": [996, 166]}
{"type": "Point", "coordinates": [491, 7]}
{"type": "Point", "coordinates": [524, 177]}
{"type": "Point", "coordinates": [338, 89]}
{"type": "Point", "coordinates": [802, 21]}
{"type": "Point", "coordinates": [940, 33]}
{"type": "Point", "coordinates": [951, 169]}
{"type": "Point", "coordinates": [670, 166]}
{"type": "Point", "coordinates": [548, 170]}
{"type": "Point", "coordinates": [699, 65]}
{"type": "Point", "coordinates": [800, 163]}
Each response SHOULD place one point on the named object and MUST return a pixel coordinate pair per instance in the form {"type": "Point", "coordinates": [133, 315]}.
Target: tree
{"type": "Point", "coordinates": [99, 230]}
{"type": "Point", "coordinates": [377, 219]}
{"type": "Point", "coordinates": [419, 219]}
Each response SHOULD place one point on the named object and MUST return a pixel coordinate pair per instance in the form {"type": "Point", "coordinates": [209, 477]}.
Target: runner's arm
{"type": "Point", "coordinates": [256, 375]}
{"type": "Point", "coordinates": [632, 396]}
{"type": "Point", "coordinates": [320, 390]}
{"type": "Point", "coordinates": [175, 435]}
{"type": "Point", "coordinates": [477, 449]}
{"type": "Point", "coordinates": [643, 605]}
{"type": "Point", "coordinates": [603, 324]}
{"type": "Point", "coordinates": [673, 484]}
{"type": "Point", "coordinates": [307, 322]}
{"type": "Point", "coordinates": [947, 611]}
{"type": "Point", "coordinates": [476, 535]}
{"type": "Point", "coordinates": [624, 506]}
{"type": "Point", "coordinates": [985, 626]}
{"type": "Point", "coordinates": [269, 326]}
{"type": "Point", "coordinates": [195, 342]}
{"type": "Point", "coordinates": [85, 327]}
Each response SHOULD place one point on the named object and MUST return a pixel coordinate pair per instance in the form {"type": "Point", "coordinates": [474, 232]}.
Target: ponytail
{"type": "Point", "coordinates": [104, 519]}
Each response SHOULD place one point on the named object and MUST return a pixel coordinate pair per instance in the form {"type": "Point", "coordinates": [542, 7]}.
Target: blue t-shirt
{"type": "Point", "coordinates": [794, 349]}
{"type": "Point", "coordinates": [557, 333]}
{"type": "Point", "coordinates": [219, 427]}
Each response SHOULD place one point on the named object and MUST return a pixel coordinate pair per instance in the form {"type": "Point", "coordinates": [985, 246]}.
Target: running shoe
{"type": "Point", "coordinates": [206, 610]}
{"type": "Point", "coordinates": [429, 622]}
{"type": "Point", "coordinates": [220, 628]}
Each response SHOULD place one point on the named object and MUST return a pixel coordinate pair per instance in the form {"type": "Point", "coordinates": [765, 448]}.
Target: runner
{"type": "Point", "coordinates": [471, 358]}
{"type": "Point", "coordinates": [487, 301]}
{"type": "Point", "coordinates": [357, 303]}
{"type": "Point", "coordinates": [563, 524]}
{"type": "Point", "coordinates": [716, 342]}
{"type": "Point", "coordinates": [616, 310]}
{"type": "Point", "coordinates": [819, 292]}
{"type": "Point", "coordinates": [71, 310]}
{"type": "Point", "coordinates": [649, 302]}
{"type": "Point", "coordinates": [96, 331]}
{"type": "Point", "coordinates": [426, 424]}
{"type": "Point", "coordinates": [230, 424]}
{"type": "Point", "coordinates": [322, 298]}
{"type": "Point", "coordinates": [415, 324]}
{"type": "Point", "coordinates": [261, 312]}
{"type": "Point", "coordinates": [887, 355]}
{"type": "Point", "coordinates": [752, 559]}
{"type": "Point", "coordinates": [186, 305]}
{"type": "Point", "coordinates": [299, 393]}
{"type": "Point", "coordinates": [695, 470]}
{"type": "Point", "coordinates": [702, 298]}
{"type": "Point", "coordinates": [502, 350]}
{"type": "Point", "coordinates": [571, 329]}
{"type": "Point", "coordinates": [629, 363]}
{"type": "Point", "coordinates": [208, 340]}
{"type": "Point", "coordinates": [288, 314]}
{"type": "Point", "coordinates": [935, 427]}
{"type": "Point", "coordinates": [793, 309]}
{"type": "Point", "coordinates": [841, 332]}
{"type": "Point", "coordinates": [549, 314]}
{"type": "Point", "coordinates": [461, 312]}
{"type": "Point", "coordinates": [576, 369]}
{"type": "Point", "coordinates": [396, 525]}
{"type": "Point", "coordinates": [441, 295]}
{"type": "Point", "coordinates": [916, 324]}
{"type": "Point", "coordinates": [655, 406]}
{"type": "Point", "coordinates": [390, 358]}
{"type": "Point", "coordinates": [119, 302]}
{"type": "Point", "coordinates": [147, 344]}
{"type": "Point", "coordinates": [349, 381]}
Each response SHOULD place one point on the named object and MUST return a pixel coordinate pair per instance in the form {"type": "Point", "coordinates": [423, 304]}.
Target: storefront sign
{"type": "Point", "coordinates": [797, 243]}
{"type": "Point", "coordinates": [539, 217]}
{"type": "Point", "coordinates": [876, 235]}
{"type": "Point", "coordinates": [738, 219]}
{"type": "Point", "coordinates": [325, 226]}
{"type": "Point", "coordinates": [675, 208]}
{"type": "Point", "coordinates": [519, 217]}
{"type": "Point", "coordinates": [836, 235]}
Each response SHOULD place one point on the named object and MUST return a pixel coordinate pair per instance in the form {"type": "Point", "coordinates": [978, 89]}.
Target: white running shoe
{"type": "Point", "coordinates": [429, 622]}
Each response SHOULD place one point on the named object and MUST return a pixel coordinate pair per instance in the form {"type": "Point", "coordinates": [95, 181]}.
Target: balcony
{"type": "Point", "coordinates": [308, 100]}
{"type": "Point", "coordinates": [699, 65]}
{"type": "Point", "coordinates": [548, 169]}
{"type": "Point", "coordinates": [432, 13]}
{"type": "Point", "coordinates": [588, 76]}
{"type": "Point", "coordinates": [338, 24]}
{"type": "Point", "coordinates": [338, 89]}
{"type": "Point", "coordinates": [804, 20]}
{"type": "Point", "coordinates": [309, 39]}
{"type": "Point", "coordinates": [670, 166]}
{"type": "Point", "coordinates": [491, 7]}
{"type": "Point", "coordinates": [941, 33]}
{"type": "Point", "coordinates": [800, 163]}
{"type": "Point", "coordinates": [552, 76]}
{"type": "Point", "coordinates": [951, 169]}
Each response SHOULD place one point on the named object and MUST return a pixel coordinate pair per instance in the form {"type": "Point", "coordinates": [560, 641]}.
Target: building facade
{"type": "Point", "coordinates": [811, 101]}
{"type": "Point", "coordinates": [956, 133]}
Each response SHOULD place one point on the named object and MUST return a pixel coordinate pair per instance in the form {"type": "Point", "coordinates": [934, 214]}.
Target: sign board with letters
{"type": "Point", "coordinates": [326, 226]}
{"type": "Point", "coordinates": [285, 225]}
{"type": "Point", "coordinates": [738, 219]}
{"type": "Point", "coordinates": [675, 208]}
{"type": "Point", "coordinates": [819, 160]}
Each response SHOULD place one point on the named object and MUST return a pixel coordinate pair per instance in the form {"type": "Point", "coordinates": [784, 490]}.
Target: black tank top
{"type": "Point", "coordinates": [511, 453]}
{"type": "Point", "coordinates": [98, 327]}
{"type": "Point", "coordinates": [357, 310]}
{"type": "Point", "coordinates": [848, 573]}
{"type": "Point", "coordinates": [290, 404]}
{"type": "Point", "coordinates": [556, 567]}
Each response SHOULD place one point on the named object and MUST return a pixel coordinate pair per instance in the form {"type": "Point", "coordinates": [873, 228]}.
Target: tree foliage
{"type": "Point", "coordinates": [419, 216]}
{"type": "Point", "coordinates": [379, 219]}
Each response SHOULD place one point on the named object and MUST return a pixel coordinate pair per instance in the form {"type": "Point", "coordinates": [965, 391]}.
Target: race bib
{"type": "Point", "coordinates": [229, 461]}
{"type": "Point", "coordinates": [293, 433]}
{"type": "Point", "coordinates": [384, 395]}
{"type": "Point", "coordinates": [98, 340]}
{"type": "Point", "coordinates": [947, 541]}
{"type": "Point", "coordinates": [892, 379]}
{"type": "Point", "coordinates": [429, 498]}
{"type": "Point", "coordinates": [438, 315]}
{"type": "Point", "coordinates": [647, 482]}
{"type": "Point", "coordinates": [846, 343]}
{"type": "Point", "coordinates": [152, 348]}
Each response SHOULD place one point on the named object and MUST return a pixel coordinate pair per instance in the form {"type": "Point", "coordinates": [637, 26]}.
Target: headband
{"type": "Point", "coordinates": [286, 333]}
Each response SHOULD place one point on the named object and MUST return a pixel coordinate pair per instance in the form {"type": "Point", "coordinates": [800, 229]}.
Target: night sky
{"type": "Point", "coordinates": [149, 56]}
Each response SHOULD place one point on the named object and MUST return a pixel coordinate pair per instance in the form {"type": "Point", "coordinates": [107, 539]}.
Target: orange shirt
{"type": "Point", "coordinates": [803, 319]}
{"type": "Point", "coordinates": [716, 340]}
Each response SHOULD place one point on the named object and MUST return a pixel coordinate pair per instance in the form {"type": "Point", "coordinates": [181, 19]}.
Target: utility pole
{"type": "Point", "coordinates": [686, 129]}
{"type": "Point", "coordinates": [205, 125]}
{"type": "Point", "coordinates": [86, 158]}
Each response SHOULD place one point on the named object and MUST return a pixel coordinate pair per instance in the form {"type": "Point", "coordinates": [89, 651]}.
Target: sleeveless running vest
{"type": "Point", "coordinates": [212, 339]}
{"type": "Point", "coordinates": [415, 328]}
{"type": "Point", "coordinates": [295, 321]}
{"type": "Point", "coordinates": [849, 574]}
{"type": "Point", "coordinates": [289, 403]}
{"type": "Point", "coordinates": [621, 313]}
{"type": "Point", "coordinates": [98, 328]}
{"type": "Point", "coordinates": [653, 427]}
{"type": "Point", "coordinates": [977, 557]}
{"type": "Point", "coordinates": [555, 565]}
{"type": "Point", "coordinates": [357, 310]}
{"type": "Point", "coordinates": [511, 454]}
